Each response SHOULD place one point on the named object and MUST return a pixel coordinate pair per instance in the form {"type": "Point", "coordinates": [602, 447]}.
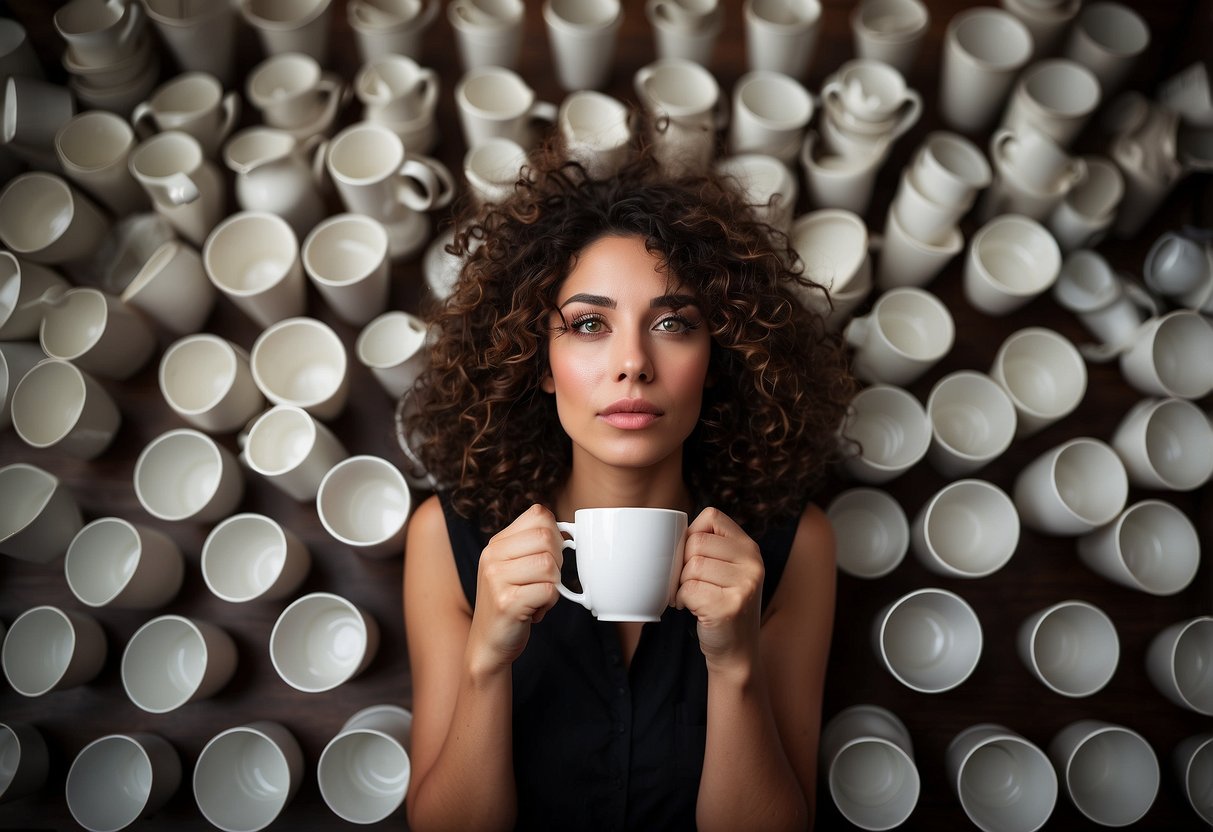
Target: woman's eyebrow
{"type": "Point", "coordinates": [593, 300]}
{"type": "Point", "coordinates": [672, 301]}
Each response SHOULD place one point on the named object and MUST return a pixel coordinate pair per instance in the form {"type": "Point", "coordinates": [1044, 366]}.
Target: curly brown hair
{"type": "Point", "coordinates": [487, 434]}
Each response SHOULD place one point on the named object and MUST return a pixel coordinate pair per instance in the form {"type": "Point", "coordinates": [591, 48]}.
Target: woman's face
{"type": "Point", "coordinates": [628, 356]}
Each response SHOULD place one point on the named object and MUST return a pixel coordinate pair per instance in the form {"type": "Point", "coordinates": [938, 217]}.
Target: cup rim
{"type": "Point", "coordinates": [253, 730]}
{"type": "Point", "coordinates": [322, 330]}
{"type": "Point", "coordinates": [80, 382]}
{"type": "Point", "coordinates": [75, 546]}
{"type": "Point", "coordinates": [371, 329]}
{"type": "Point", "coordinates": [882, 626]}
{"type": "Point", "coordinates": [1088, 608]}
{"type": "Point", "coordinates": [1100, 729]}
{"type": "Point", "coordinates": [208, 548]}
{"type": "Point", "coordinates": [91, 747]}
{"type": "Point", "coordinates": [344, 736]}
{"type": "Point", "coordinates": [349, 218]}
{"type": "Point", "coordinates": [157, 623]}
{"type": "Point", "coordinates": [154, 446]}
{"type": "Point", "coordinates": [338, 470]}
{"type": "Point", "coordinates": [39, 611]}
{"type": "Point", "coordinates": [291, 611]}
{"type": "Point", "coordinates": [914, 781]}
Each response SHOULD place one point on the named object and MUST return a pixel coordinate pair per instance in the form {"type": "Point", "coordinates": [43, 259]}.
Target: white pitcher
{"type": "Point", "coordinates": [273, 174]}
{"type": "Point", "coordinates": [186, 189]}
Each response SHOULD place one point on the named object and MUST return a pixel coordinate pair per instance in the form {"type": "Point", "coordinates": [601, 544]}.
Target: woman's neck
{"type": "Point", "coordinates": [592, 484]}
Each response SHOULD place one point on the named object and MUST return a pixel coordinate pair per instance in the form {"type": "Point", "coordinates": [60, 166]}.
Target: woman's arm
{"type": "Point", "coordinates": [462, 741]}
{"type": "Point", "coordinates": [765, 679]}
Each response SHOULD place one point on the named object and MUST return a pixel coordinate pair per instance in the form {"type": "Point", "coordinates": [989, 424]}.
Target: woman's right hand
{"type": "Point", "coordinates": [515, 587]}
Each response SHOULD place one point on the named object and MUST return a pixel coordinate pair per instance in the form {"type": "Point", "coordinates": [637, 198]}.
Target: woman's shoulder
{"type": "Point", "coordinates": [438, 529]}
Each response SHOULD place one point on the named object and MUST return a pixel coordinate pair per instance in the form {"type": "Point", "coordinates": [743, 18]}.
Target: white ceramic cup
{"type": "Point", "coordinates": [1082, 218]}
{"type": "Point", "coordinates": [892, 431]}
{"type": "Point", "coordinates": [300, 26]}
{"type": "Point", "coordinates": [301, 361]}
{"type": "Point", "coordinates": [686, 29]}
{"type": "Point", "coordinates": [1177, 663]}
{"type": "Point", "coordinates": [1047, 21]}
{"type": "Point", "coordinates": [949, 169]}
{"type": "Point", "coordinates": [984, 49]}
{"type": "Point", "coordinates": [112, 562]}
{"type": "Point", "coordinates": [891, 31]}
{"type": "Point", "coordinates": [17, 56]}
{"type": "Point", "coordinates": [1165, 443]}
{"type": "Point", "coordinates": [869, 760]}
{"type": "Point", "coordinates": [393, 347]}
{"type": "Point", "coordinates": [1176, 265]}
{"type": "Point", "coordinates": [1043, 373]}
{"type": "Point", "coordinates": [346, 258]}
{"type": "Point", "coordinates": [292, 91]}
{"type": "Point", "coordinates": [1151, 546]}
{"type": "Point", "coordinates": [117, 779]}
{"type": "Point", "coordinates": [194, 103]}
{"type": "Point", "coordinates": [171, 288]}
{"type": "Point", "coordinates": [58, 405]}
{"type": "Point", "coordinates": [97, 32]}
{"type": "Point", "coordinates": [906, 260]}
{"type": "Point", "coordinates": [582, 36]}
{"type": "Point", "coordinates": [25, 760]}
{"type": "Point", "coordinates": [1031, 167]}
{"type": "Point", "coordinates": [929, 640]}
{"type": "Point", "coordinates": [34, 110]}
{"type": "Point", "coordinates": [487, 32]}
{"type": "Point", "coordinates": [38, 514]}
{"type": "Point", "coordinates": [246, 775]}
{"type": "Point", "coordinates": [1004, 782]}
{"type": "Point", "coordinates": [376, 176]}
{"type": "Point", "coordinates": [628, 561]}
{"type": "Point", "coordinates": [97, 332]}
{"type": "Point", "coordinates": [364, 502]}
{"type": "Point", "coordinates": [184, 475]}
{"type": "Point", "coordinates": [94, 147]}
{"type": "Point", "coordinates": [596, 131]}
{"type": "Point", "coordinates": [920, 216]}
{"type": "Point", "coordinates": [16, 359]}
{"type": "Point", "coordinates": [1109, 771]}
{"type": "Point", "coordinates": [870, 530]}
{"type": "Point", "coordinates": [1194, 764]}
{"type": "Point", "coordinates": [833, 248]}
{"type": "Point", "coordinates": [972, 422]}
{"type": "Point", "coordinates": [391, 27]}
{"type": "Point", "coordinates": [1071, 647]}
{"type": "Point", "coordinates": [171, 661]}
{"type": "Point", "coordinates": [206, 381]}
{"type": "Point", "coordinates": [968, 529]}
{"type": "Point", "coordinates": [322, 640]}
{"type": "Point", "coordinates": [766, 184]}
{"type": "Point", "coordinates": [46, 220]}
{"type": "Point", "coordinates": [23, 287]}
{"type": "Point", "coordinates": [870, 97]}
{"type": "Point", "coordinates": [905, 334]}
{"type": "Point", "coordinates": [682, 102]}
{"type": "Point", "coordinates": [1056, 97]}
{"type": "Point", "coordinates": [493, 168]}
{"type": "Point", "coordinates": [1072, 489]}
{"type": "Point", "coordinates": [833, 180]}
{"type": "Point", "coordinates": [1108, 38]}
{"type": "Point", "coordinates": [252, 257]}
{"type": "Point", "coordinates": [396, 88]}
{"type": "Point", "coordinates": [781, 35]}
{"type": "Point", "coordinates": [250, 557]}
{"type": "Point", "coordinates": [1166, 357]}
{"type": "Point", "coordinates": [1011, 260]}
{"type": "Point", "coordinates": [495, 101]}
{"type": "Point", "coordinates": [291, 450]}
{"type": "Point", "coordinates": [364, 771]}
{"type": "Point", "coordinates": [200, 37]}
{"type": "Point", "coordinates": [185, 187]}
{"type": "Point", "coordinates": [770, 113]}
{"type": "Point", "coordinates": [48, 649]}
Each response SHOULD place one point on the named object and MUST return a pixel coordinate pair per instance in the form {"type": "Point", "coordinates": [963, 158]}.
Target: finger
{"type": "Point", "coordinates": [696, 596]}
{"type": "Point", "coordinates": [715, 571]}
{"type": "Point", "coordinates": [527, 542]}
{"type": "Point", "coordinates": [536, 515]}
{"type": "Point", "coordinates": [715, 521]}
{"type": "Point", "coordinates": [732, 549]}
{"type": "Point", "coordinates": [537, 567]}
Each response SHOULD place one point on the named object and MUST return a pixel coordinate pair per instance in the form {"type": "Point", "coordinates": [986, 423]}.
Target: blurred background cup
{"type": "Point", "coordinates": [94, 148]}
{"type": "Point", "coordinates": [392, 346]}
{"type": "Point", "coordinates": [1072, 489]}
{"type": "Point", "coordinates": [949, 169]}
{"type": "Point", "coordinates": [46, 220]}
{"type": "Point", "coordinates": [298, 26]}
{"type": "Point", "coordinates": [869, 761]}
{"type": "Point", "coordinates": [1034, 174]}
{"type": "Point", "coordinates": [34, 110]}
{"type": "Point", "coordinates": [1071, 647]}
{"type": "Point", "coordinates": [890, 31]}
{"type": "Point", "coordinates": [364, 502]}
{"type": "Point", "coordinates": [206, 381]}
{"type": "Point", "coordinates": [686, 29]}
{"type": "Point", "coordinates": [185, 187]}
{"type": "Point", "coordinates": [871, 531]}
{"type": "Point", "coordinates": [487, 32]}
{"type": "Point", "coordinates": [391, 27]}
{"type": "Point", "coordinates": [172, 289]}
{"type": "Point", "coordinates": [112, 562]}
{"type": "Point", "coordinates": [48, 649]}
{"type": "Point", "coordinates": [200, 36]}
{"type": "Point", "coordinates": [301, 361]}
{"type": "Point", "coordinates": [1004, 782]}
{"type": "Point", "coordinates": [364, 771]}
{"type": "Point", "coordinates": [905, 334]}
{"type": "Point", "coordinates": [1166, 356]}
{"type": "Point", "coordinates": [493, 168]}
{"type": "Point", "coordinates": [252, 257]}
{"type": "Point", "coordinates": [968, 529]}
{"type": "Point", "coordinates": [1176, 265]}
{"type": "Point", "coordinates": [58, 405]}
{"type": "Point", "coordinates": [770, 113]}
{"type": "Point", "coordinates": [1110, 771]}
{"type": "Point", "coordinates": [1087, 211]}
{"type": "Point", "coordinates": [171, 661]}
{"type": "Point", "coordinates": [321, 641]}
{"type": "Point", "coordinates": [929, 639]}
{"type": "Point", "coordinates": [922, 217]}
{"type": "Point", "coordinates": [25, 760]}
{"type": "Point", "coordinates": [194, 103]}
{"type": "Point", "coordinates": [983, 51]}
{"type": "Point", "coordinates": [1012, 259]}
{"type": "Point", "coordinates": [183, 474]}
{"type": "Point", "coordinates": [346, 258]}
{"type": "Point", "coordinates": [97, 332]}
{"type": "Point", "coordinates": [596, 131]}
{"type": "Point", "coordinates": [1047, 21]}
{"type": "Point", "coordinates": [495, 101]}
{"type": "Point", "coordinates": [972, 422]}
{"type": "Point", "coordinates": [865, 98]}
{"type": "Point", "coordinates": [781, 35]}
{"type": "Point", "coordinates": [251, 557]}
{"type": "Point", "coordinates": [396, 88]}
{"type": "Point", "coordinates": [23, 286]}
{"type": "Point", "coordinates": [1043, 373]}
{"type": "Point", "coordinates": [98, 32]}
{"type": "Point", "coordinates": [767, 185]}
{"type": "Point", "coordinates": [117, 779]}
{"type": "Point", "coordinates": [892, 432]}
{"type": "Point", "coordinates": [833, 180]}
{"type": "Point", "coordinates": [1165, 443]}
{"type": "Point", "coordinates": [17, 56]}
{"type": "Point", "coordinates": [1177, 662]}
{"type": "Point", "coordinates": [38, 514]}
{"type": "Point", "coordinates": [1108, 39]}
{"type": "Point", "coordinates": [1193, 759]}
{"type": "Point", "coordinates": [905, 260]}
{"type": "Point", "coordinates": [292, 91]}
{"type": "Point", "coordinates": [832, 245]}
{"type": "Point", "coordinates": [246, 775]}
{"type": "Point", "coordinates": [1151, 546]}
{"type": "Point", "coordinates": [682, 104]}
{"type": "Point", "coordinates": [1056, 97]}
{"type": "Point", "coordinates": [291, 450]}
{"type": "Point", "coordinates": [582, 36]}
{"type": "Point", "coordinates": [16, 359]}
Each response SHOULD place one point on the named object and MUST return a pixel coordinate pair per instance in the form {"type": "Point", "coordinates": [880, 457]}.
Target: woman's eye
{"type": "Point", "coordinates": [590, 326]}
{"type": "Point", "coordinates": [673, 325]}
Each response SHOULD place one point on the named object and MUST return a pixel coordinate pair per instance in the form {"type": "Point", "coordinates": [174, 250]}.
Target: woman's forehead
{"type": "Point", "coordinates": [621, 267]}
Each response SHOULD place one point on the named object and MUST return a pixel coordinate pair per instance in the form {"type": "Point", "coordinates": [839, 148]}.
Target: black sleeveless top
{"type": "Point", "coordinates": [598, 745]}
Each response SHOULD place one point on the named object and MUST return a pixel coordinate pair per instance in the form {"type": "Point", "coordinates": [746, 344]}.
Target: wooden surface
{"type": "Point", "coordinates": [1044, 570]}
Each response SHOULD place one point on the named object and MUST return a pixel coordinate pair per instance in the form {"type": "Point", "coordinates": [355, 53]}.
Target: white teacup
{"type": "Point", "coordinates": [346, 257]}
{"type": "Point", "coordinates": [16, 359]}
{"type": "Point", "coordinates": [493, 168]}
{"type": "Point", "coordinates": [301, 26]}
{"type": "Point", "coordinates": [393, 347]}
{"type": "Point", "coordinates": [97, 332]}
{"type": "Point", "coordinates": [1030, 162]}
{"type": "Point", "coordinates": [1043, 373]}
{"type": "Point", "coordinates": [1047, 20]}
{"type": "Point", "coordinates": [972, 422]}
{"type": "Point", "coordinates": [194, 103]}
{"type": "Point", "coordinates": [376, 176]}
{"type": "Point", "coordinates": [1056, 97]}
{"type": "Point", "coordinates": [185, 187]}
{"type": "Point", "coordinates": [968, 529]}
{"type": "Point", "coordinates": [870, 763]}
{"type": "Point", "coordinates": [250, 557]}
{"type": "Point", "coordinates": [891, 31]}
{"type": "Point", "coordinates": [291, 450]}
{"type": "Point", "coordinates": [1109, 771]}
{"type": "Point", "coordinates": [94, 147]}
{"type": "Point", "coordinates": [246, 775]}
{"type": "Point", "coordinates": [834, 180]}
{"type": "Point", "coordinates": [1151, 546]}
{"type": "Point", "coordinates": [1167, 356]}
{"type": "Point", "coordinates": [322, 640]}
{"type": "Point", "coordinates": [487, 32]}
{"type": "Point", "coordinates": [682, 101]}
{"type": "Point", "coordinates": [184, 475]}
{"type": "Point", "coordinates": [628, 561]}
{"type": "Point", "coordinates": [766, 184]}
{"type": "Point", "coordinates": [113, 562]}
{"type": "Point", "coordinates": [97, 32]}
{"type": "Point", "coordinates": [364, 502]}
{"type": "Point", "coordinates": [596, 130]}
{"type": "Point", "coordinates": [301, 361]}
{"type": "Point", "coordinates": [34, 110]}
{"type": "Point", "coordinates": [291, 90]}
{"type": "Point", "coordinates": [46, 220]}
{"type": "Point", "coordinates": [495, 101]}
{"type": "Point", "coordinates": [905, 334]}
{"type": "Point", "coordinates": [1071, 647]}
{"type": "Point", "coordinates": [871, 532]}
{"type": "Point", "coordinates": [23, 286]}
{"type": "Point", "coordinates": [1012, 259]}
{"type": "Point", "coordinates": [206, 381]}
{"type": "Point", "coordinates": [58, 405]}
{"type": "Point", "coordinates": [391, 27]}
{"type": "Point", "coordinates": [905, 260]}
{"type": "Point", "coordinates": [686, 29]}
{"type": "Point", "coordinates": [48, 649]}
{"type": "Point", "coordinates": [364, 770]}
{"type": "Point", "coordinates": [892, 431]}
{"type": "Point", "coordinates": [920, 216]}
{"type": "Point", "coordinates": [770, 113]}
{"type": "Point", "coordinates": [582, 35]}
{"type": "Point", "coordinates": [117, 779]}
{"type": "Point", "coordinates": [833, 247]}
{"type": "Point", "coordinates": [984, 49]}
{"type": "Point", "coordinates": [252, 257]}
{"type": "Point", "coordinates": [949, 169]}
{"type": "Point", "coordinates": [171, 288]}
{"type": "Point", "coordinates": [1108, 38]}
{"type": "Point", "coordinates": [870, 97]}
{"type": "Point", "coordinates": [1082, 218]}
{"type": "Point", "coordinates": [38, 515]}
{"type": "Point", "coordinates": [1004, 782]}
{"type": "Point", "coordinates": [1194, 765]}
{"type": "Point", "coordinates": [781, 36]}
{"type": "Point", "coordinates": [1177, 663]}
{"type": "Point", "coordinates": [1176, 265]}
{"type": "Point", "coordinates": [396, 88]}
{"type": "Point", "coordinates": [171, 661]}
{"type": "Point", "coordinates": [929, 640]}
{"type": "Point", "coordinates": [1072, 489]}
{"type": "Point", "coordinates": [26, 760]}
{"type": "Point", "coordinates": [200, 37]}
{"type": "Point", "coordinates": [1165, 443]}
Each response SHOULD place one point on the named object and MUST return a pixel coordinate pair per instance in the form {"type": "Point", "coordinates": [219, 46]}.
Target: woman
{"type": "Point", "coordinates": [634, 342]}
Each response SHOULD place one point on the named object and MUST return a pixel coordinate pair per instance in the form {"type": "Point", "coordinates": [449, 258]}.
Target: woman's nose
{"type": "Point", "coordinates": [633, 359]}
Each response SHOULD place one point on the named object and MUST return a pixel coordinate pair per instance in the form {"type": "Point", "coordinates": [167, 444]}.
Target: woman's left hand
{"type": "Point", "coordinates": [721, 584]}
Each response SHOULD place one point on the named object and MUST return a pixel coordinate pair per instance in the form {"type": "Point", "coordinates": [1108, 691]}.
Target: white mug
{"type": "Point", "coordinates": [322, 640]}
{"type": "Point", "coordinates": [94, 148]}
{"type": "Point", "coordinates": [1043, 373]}
{"type": "Point", "coordinates": [766, 184]}
{"type": "Point", "coordinates": [219, 784]}
{"type": "Point", "coordinates": [397, 27]}
{"type": "Point", "coordinates": [1108, 38]}
{"type": "Point", "coordinates": [200, 37]}
{"type": "Point", "coordinates": [968, 529]}
{"type": "Point", "coordinates": [949, 169]}
{"type": "Point", "coordinates": [392, 346]}
{"type": "Point", "coordinates": [206, 381]}
{"type": "Point", "coordinates": [1165, 443]}
{"type": "Point", "coordinates": [1003, 781]}
{"type": "Point", "coordinates": [834, 180]}
{"type": "Point", "coordinates": [364, 771]}
{"type": "Point", "coordinates": [194, 103]}
{"type": "Point", "coordinates": [781, 36]}
{"type": "Point", "coordinates": [1046, 21]}
{"type": "Point", "coordinates": [1176, 661]}
{"type": "Point", "coordinates": [297, 27]}
{"type": "Point", "coordinates": [833, 247]}
{"type": "Point", "coordinates": [364, 502]}
{"type": "Point", "coordinates": [870, 763]}
{"type": "Point", "coordinates": [1083, 217]}
{"type": "Point", "coordinates": [38, 514]}
{"type": "Point", "coordinates": [1109, 771]}
{"type": "Point", "coordinates": [930, 639]}
{"type": "Point", "coordinates": [171, 661]}
{"type": "Point", "coordinates": [301, 361]}
{"type": "Point", "coordinates": [487, 32]}
{"type": "Point", "coordinates": [346, 258]}
{"type": "Point", "coordinates": [291, 450]}
{"type": "Point", "coordinates": [251, 557]}
{"type": "Point", "coordinates": [984, 49]}
{"type": "Point", "coordinates": [870, 97]}
{"type": "Point", "coordinates": [46, 220]}
{"type": "Point", "coordinates": [97, 32]}
{"type": "Point", "coordinates": [23, 286]}
{"type": "Point", "coordinates": [185, 187]}
{"type": "Point", "coordinates": [17, 56]}
{"type": "Point", "coordinates": [252, 257]}
{"type": "Point", "coordinates": [972, 422]}
{"type": "Point", "coordinates": [113, 562]}
{"type": "Point", "coordinates": [686, 29]}
{"type": "Point", "coordinates": [582, 36]}
{"type": "Point", "coordinates": [905, 260]}
{"type": "Point", "coordinates": [118, 779]}
{"type": "Point", "coordinates": [770, 113]}
{"type": "Point", "coordinates": [891, 429]}
{"type": "Point", "coordinates": [48, 649]}
{"type": "Point", "coordinates": [871, 532]}
{"type": "Point", "coordinates": [1151, 546]}
{"type": "Point", "coordinates": [921, 217]}
{"type": "Point", "coordinates": [97, 332]}
{"type": "Point", "coordinates": [274, 174]}
{"type": "Point", "coordinates": [292, 91]}
{"type": "Point", "coordinates": [1166, 357]}
{"type": "Point", "coordinates": [34, 111]}
{"type": "Point", "coordinates": [58, 405]}
{"type": "Point", "coordinates": [24, 750]}
{"type": "Point", "coordinates": [495, 101]}
{"type": "Point", "coordinates": [1012, 259]}
{"type": "Point", "coordinates": [682, 100]}
{"type": "Point", "coordinates": [891, 31]}
{"type": "Point", "coordinates": [1056, 97]}
{"type": "Point", "coordinates": [183, 474]}
{"type": "Point", "coordinates": [1031, 162]}
{"type": "Point", "coordinates": [1071, 647]}
{"type": "Point", "coordinates": [493, 168]}
{"type": "Point", "coordinates": [396, 88]}
{"type": "Point", "coordinates": [376, 176]}
{"type": "Point", "coordinates": [1072, 489]}
{"type": "Point", "coordinates": [171, 288]}
{"type": "Point", "coordinates": [596, 131]}
{"type": "Point", "coordinates": [905, 334]}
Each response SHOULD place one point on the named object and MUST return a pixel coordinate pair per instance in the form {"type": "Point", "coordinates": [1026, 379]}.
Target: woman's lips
{"type": "Point", "coordinates": [629, 420]}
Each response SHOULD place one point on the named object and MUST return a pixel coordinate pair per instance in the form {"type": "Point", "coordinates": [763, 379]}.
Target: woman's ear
{"type": "Point", "coordinates": [547, 384]}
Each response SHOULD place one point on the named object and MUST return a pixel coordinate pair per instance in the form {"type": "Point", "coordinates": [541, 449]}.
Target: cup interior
{"type": "Point", "coordinates": [48, 402]}
{"type": "Point", "coordinates": [890, 426]}
{"type": "Point", "coordinates": [282, 77]}
{"type": "Point", "coordinates": [971, 415]}
{"type": "Point", "coordinates": [685, 88]}
{"type": "Point", "coordinates": [957, 158]}
{"type": "Point", "coordinates": [318, 642]}
{"type": "Point", "coordinates": [177, 474]}
{"type": "Point", "coordinates": [299, 361]}
{"type": "Point", "coordinates": [249, 253]}
{"type": "Point", "coordinates": [164, 663]}
{"type": "Point", "coordinates": [35, 211]}
{"type": "Point", "coordinates": [242, 780]}
{"type": "Point", "coordinates": [1159, 546]}
{"type": "Point", "coordinates": [775, 99]}
{"type": "Point", "coordinates": [1007, 784]}
{"type": "Point", "coordinates": [1065, 88]}
{"type": "Point", "coordinates": [1076, 649]}
{"type": "Point", "coordinates": [101, 560]}
{"type": "Point", "coordinates": [197, 372]}
{"type": "Point", "coordinates": [1020, 256]}
{"type": "Point", "coordinates": [363, 500]}
{"type": "Point", "coordinates": [284, 11]}
{"type": "Point", "coordinates": [390, 339]}
{"type": "Point", "coordinates": [364, 155]}
{"type": "Point", "coordinates": [892, 19]}
{"type": "Point", "coordinates": [74, 323]}
{"type": "Point", "coordinates": [1091, 481]}
{"type": "Point", "coordinates": [1115, 27]}
{"type": "Point", "coordinates": [95, 139]}
{"type": "Point", "coordinates": [1180, 344]}
{"type": "Point", "coordinates": [496, 93]}
{"type": "Point", "coordinates": [874, 783]}
{"type": "Point", "coordinates": [280, 440]}
{"type": "Point", "coordinates": [994, 38]}
{"type": "Point", "coordinates": [363, 776]}
{"type": "Point", "coordinates": [1196, 777]}
{"type": "Point", "coordinates": [10, 757]}
{"type": "Point", "coordinates": [595, 119]}
{"type": "Point", "coordinates": [833, 246]}
{"type": "Point", "coordinates": [345, 249]}
{"type": "Point", "coordinates": [1179, 444]}
{"type": "Point", "coordinates": [915, 324]}
{"type": "Point", "coordinates": [24, 492]}
{"type": "Point", "coordinates": [973, 527]}
{"type": "Point", "coordinates": [1043, 373]}
{"type": "Point", "coordinates": [37, 650]}
{"type": "Point", "coordinates": [1113, 777]}
{"type": "Point", "coordinates": [1193, 665]}
{"type": "Point", "coordinates": [931, 641]}
{"type": "Point", "coordinates": [871, 530]}
{"type": "Point", "coordinates": [109, 783]}
{"type": "Point", "coordinates": [785, 12]}
{"type": "Point", "coordinates": [166, 154]}
{"type": "Point", "coordinates": [588, 13]}
{"type": "Point", "coordinates": [187, 94]}
{"type": "Point", "coordinates": [243, 557]}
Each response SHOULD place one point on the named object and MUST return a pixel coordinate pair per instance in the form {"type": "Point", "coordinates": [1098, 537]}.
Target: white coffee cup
{"type": "Point", "coordinates": [96, 332]}
{"type": "Point", "coordinates": [984, 49]}
{"type": "Point", "coordinates": [1151, 546]}
{"type": "Point", "coordinates": [1004, 782]}
{"type": "Point", "coordinates": [867, 97]}
{"type": "Point", "coordinates": [1056, 97]}
{"type": "Point", "coordinates": [34, 110]}
{"type": "Point", "coordinates": [1176, 265]}
{"type": "Point", "coordinates": [16, 359]}
{"type": "Point", "coordinates": [393, 347]}
{"type": "Point", "coordinates": [493, 168]}
{"type": "Point", "coordinates": [396, 88]}
{"type": "Point", "coordinates": [38, 514]}
{"type": "Point", "coordinates": [194, 103]}
{"type": "Point", "coordinates": [767, 185]}
{"type": "Point", "coordinates": [834, 180]}
{"type": "Point", "coordinates": [17, 56]}
{"type": "Point", "coordinates": [628, 561]}
{"type": "Point", "coordinates": [1108, 38]}
{"type": "Point", "coordinates": [870, 767]}
{"type": "Point", "coordinates": [185, 187]}
{"type": "Point", "coordinates": [1031, 163]}
{"type": "Point", "coordinates": [1072, 489]}
{"type": "Point", "coordinates": [891, 31]}
{"type": "Point", "coordinates": [487, 32]}
{"type": "Point", "coordinates": [892, 431]}
{"type": "Point", "coordinates": [1167, 356]}
{"type": "Point", "coordinates": [1047, 21]}
{"type": "Point", "coordinates": [291, 450]}
{"type": "Point", "coordinates": [48, 649]}
{"type": "Point", "coordinates": [972, 422]}
{"type": "Point", "coordinates": [23, 286]}
{"type": "Point", "coordinates": [682, 101]}
{"type": "Point", "coordinates": [781, 35]}
{"type": "Point", "coordinates": [24, 751]}
{"type": "Point", "coordinates": [172, 288]}
{"type": "Point", "coordinates": [929, 640]}
{"type": "Point", "coordinates": [1177, 663]}
{"type": "Point", "coordinates": [206, 381]}
{"type": "Point", "coordinates": [58, 405]}
{"type": "Point", "coordinates": [46, 220]}
{"type": "Point", "coordinates": [1043, 373]}
{"type": "Point", "coordinates": [117, 779]}
{"type": "Point", "coordinates": [246, 775]}
{"type": "Point", "coordinates": [833, 248]}
{"type": "Point", "coordinates": [322, 640]}
{"type": "Point", "coordinates": [582, 35]}
{"type": "Point", "coordinates": [1071, 647]}
{"type": "Point", "coordinates": [395, 27]}
{"type": "Point", "coordinates": [171, 661]}
{"type": "Point", "coordinates": [200, 37]}
{"type": "Point", "coordinates": [183, 474]}
{"type": "Point", "coordinates": [968, 529]}
{"type": "Point", "coordinates": [686, 29]}
{"type": "Point", "coordinates": [292, 91]}
{"type": "Point", "coordinates": [906, 260]}
{"type": "Point", "coordinates": [596, 130]}
{"type": "Point", "coordinates": [364, 770]}
{"type": "Point", "coordinates": [1165, 443]}
{"type": "Point", "coordinates": [1012, 259]}
{"type": "Point", "coordinates": [296, 27]}
{"type": "Point", "coordinates": [1082, 218]}
{"type": "Point", "coordinates": [301, 361]}
{"type": "Point", "coordinates": [1109, 305]}
{"type": "Point", "coordinates": [495, 101]}
{"type": "Point", "coordinates": [905, 334]}
{"type": "Point", "coordinates": [1194, 764]}
{"type": "Point", "coordinates": [770, 113]}
{"type": "Point", "coordinates": [870, 530]}
{"type": "Point", "coordinates": [364, 502]}
{"type": "Point", "coordinates": [98, 32]}
{"type": "Point", "coordinates": [346, 257]}
{"type": "Point", "coordinates": [376, 176]}
{"type": "Point", "coordinates": [949, 169]}
{"type": "Point", "coordinates": [1109, 771]}
{"type": "Point", "coordinates": [921, 217]}
{"type": "Point", "coordinates": [249, 557]}
{"type": "Point", "coordinates": [252, 257]}
{"type": "Point", "coordinates": [112, 562]}
{"type": "Point", "coordinates": [94, 147]}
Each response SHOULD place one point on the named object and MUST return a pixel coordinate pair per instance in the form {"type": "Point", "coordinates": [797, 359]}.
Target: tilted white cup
{"type": "Point", "coordinates": [1108, 305]}
{"type": "Point", "coordinates": [393, 347]}
{"type": "Point", "coordinates": [972, 422]}
{"type": "Point", "coordinates": [38, 514]}
{"type": "Point", "coordinates": [1004, 782]}
{"type": "Point", "coordinates": [682, 101]}
{"type": "Point", "coordinates": [291, 450]}
{"type": "Point", "coordinates": [968, 529]}
{"type": "Point", "coordinates": [905, 334]}
{"type": "Point", "coordinates": [781, 36]}
{"type": "Point", "coordinates": [97, 332]}
{"type": "Point", "coordinates": [1056, 97]}
{"type": "Point", "coordinates": [296, 27]}
{"type": "Point", "coordinates": [1177, 663]}
{"type": "Point", "coordinates": [23, 287]}
{"type": "Point", "coordinates": [94, 148]}
{"type": "Point", "coordinates": [396, 88]}
{"type": "Point", "coordinates": [1165, 443]}
{"type": "Point", "coordinates": [892, 431]}
{"type": "Point", "coordinates": [206, 381]}
{"type": "Point", "coordinates": [1108, 38]}
{"type": "Point", "coordinates": [26, 760]}
{"type": "Point", "coordinates": [17, 56]}
{"type": "Point", "coordinates": [582, 36]}
{"type": "Point", "coordinates": [1012, 259]}
{"type": "Point", "coordinates": [112, 562]}
{"type": "Point", "coordinates": [1071, 647]}
{"type": "Point", "coordinates": [924, 219]}
{"type": "Point", "coordinates": [871, 532]}
{"type": "Point", "coordinates": [487, 32]}
{"type": "Point", "coordinates": [45, 220]}
{"type": "Point", "coordinates": [1043, 373]}
{"type": "Point", "coordinates": [867, 97]}
{"type": "Point", "coordinates": [200, 37]}
{"type": "Point", "coordinates": [833, 180]}
{"type": "Point", "coordinates": [16, 359]}
{"type": "Point", "coordinates": [322, 640]}
{"type": "Point", "coordinates": [97, 32]}
{"type": "Point", "coordinates": [493, 168]}
{"type": "Point", "coordinates": [58, 405]}
{"type": "Point", "coordinates": [984, 49]}
{"type": "Point", "coordinates": [185, 187]}
{"type": "Point", "coordinates": [48, 649]}
{"type": "Point", "coordinates": [906, 260]}
{"type": "Point", "coordinates": [833, 248]}
{"type": "Point", "coordinates": [183, 474]}
{"type": "Point", "coordinates": [949, 169]}
{"type": "Point", "coordinates": [396, 27]}
{"type": "Point", "coordinates": [596, 131]}
{"type": "Point", "coordinates": [1109, 771]}
{"type": "Point", "coordinates": [171, 661]}
{"type": "Point", "coordinates": [1046, 21]}
{"type": "Point", "coordinates": [930, 639]}
{"type": "Point", "coordinates": [252, 257]}
{"type": "Point", "coordinates": [364, 770]}
{"type": "Point", "coordinates": [1151, 546]}
{"type": "Point", "coordinates": [1167, 356]}
{"type": "Point", "coordinates": [301, 361]}
{"type": "Point", "coordinates": [687, 29]}
{"type": "Point", "coordinates": [891, 31]}
{"type": "Point", "coordinates": [250, 557]}
{"type": "Point", "coordinates": [346, 258]}
{"type": "Point", "coordinates": [870, 766]}
{"type": "Point", "coordinates": [364, 502]}
{"type": "Point", "coordinates": [495, 101]}
{"type": "Point", "coordinates": [767, 185]}
{"type": "Point", "coordinates": [1072, 489]}
{"type": "Point", "coordinates": [194, 103]}
{"type": "Point", "coordinates": [292, 91]}
{"type": "Point", "coordinates": [118, 779]}
{"type": "Point", "coordinates": [770, 113]}
{"type": "Point", "coordinates": [1193, 759]}
{"type": "Point", "coordinates": [171, 287]}
{"type": "Point", "coordinates": [245, 776]}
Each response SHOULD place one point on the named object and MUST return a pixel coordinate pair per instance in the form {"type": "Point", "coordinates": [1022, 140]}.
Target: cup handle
{"type": "Point", "coordinates": [913, 111]}
{"type": "Point", "coordinates": [856, 333]}
{"type": "Point", "coordinates": [580, 597]}
{"type": "Point", "coordinates": [1076, 171]}
{"type": "Point", "coordinates": [544, 111]}
{"type": "Point", "coordinates": [999, 142]}
{"type": "Point", "coordinates": [231, 112]}
{"type": "Point", "coordinates": [178, 189]}
{"type": "Point", "coordinates": [319, 156]}
{"type": "Point", "coordinates": [1139, 297]}
{"type": "Point", "coordinates": [133, 19]}
{"type": "Point", "coordinates": [425, 184]}
{"type": "Point", "coordinates": [143, 120]}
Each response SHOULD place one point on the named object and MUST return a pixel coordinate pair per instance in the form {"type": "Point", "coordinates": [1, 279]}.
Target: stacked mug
{"type": "Point", "coordinates": [110, 56]}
